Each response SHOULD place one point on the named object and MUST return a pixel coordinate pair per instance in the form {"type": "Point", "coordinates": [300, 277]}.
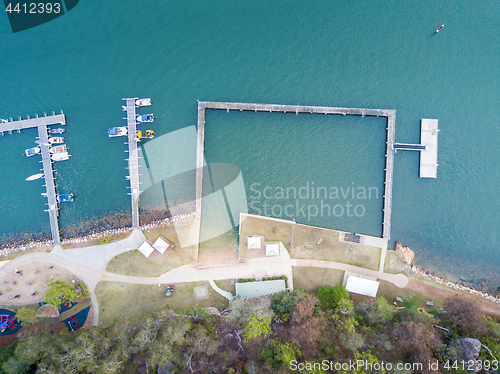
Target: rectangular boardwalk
{"type": "Point", "coordinates": [389, 168]}
{"type": "Point", "coordinates": [428, 158]}
{"type": "Point", "coordinates": [41, 124]}
{"type": "Point", "coordinates": [133, 160]}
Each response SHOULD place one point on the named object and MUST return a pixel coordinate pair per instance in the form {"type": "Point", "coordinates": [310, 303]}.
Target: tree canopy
{"type": "Point", "coordinates": [59, 292]}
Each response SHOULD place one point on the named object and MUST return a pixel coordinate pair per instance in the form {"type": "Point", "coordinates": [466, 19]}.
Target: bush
{"type": "Point", "coordinates": [330, 298]}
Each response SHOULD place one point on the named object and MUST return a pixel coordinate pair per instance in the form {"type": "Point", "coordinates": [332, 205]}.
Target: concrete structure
{"type": "Point", "coordinates": [361, 286]}
{"type": "Point", "coordinates": [41, 124]}
{"type": "Point", "coordinates": [133, 160]}
{"type": "Point", "coordinates": [389, 166]}
{"type": "Point", "coordinates": [428, 158]}
{"type": "Point", "coordinates": [252, 290]}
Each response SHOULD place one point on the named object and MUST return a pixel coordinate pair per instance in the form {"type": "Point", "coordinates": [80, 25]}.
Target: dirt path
{"type": "Point", "coordinates": [486, 306]}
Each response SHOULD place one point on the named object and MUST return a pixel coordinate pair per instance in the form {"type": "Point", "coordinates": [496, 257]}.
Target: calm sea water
{"type": "Point", "coordinates": [374, 54]}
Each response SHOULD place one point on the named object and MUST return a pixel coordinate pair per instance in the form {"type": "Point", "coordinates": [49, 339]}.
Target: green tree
{"type": "Point", "coordinates": [59, 292]}
{"type": "Point", "coordinates": [283, 304]}
{"type": "Point", "coordinates": [330, 298]}
{"type": "Point", "coordinates": [256, 328]}
{"type": "Point", "coordinates": [386, 310]}
{"type": "Point", "coordinates": [27, 316]}
{"type": "Point", "coordinates": [368, 362]}
{"type": "Point", "coordinates": [275, 354]}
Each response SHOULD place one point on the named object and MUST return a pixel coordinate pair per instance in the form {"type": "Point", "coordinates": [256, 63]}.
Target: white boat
{"type": "Point", "coordinates": [124, 108]}
{"type": "Point", "coordinates": [56, 140]}
{"type": "Point", "coordinates": [143, 102]}
{"type": "Point", "coordinates": [61, 156]}
{"type": "Point", "coordinates": [146, 118]}
{"type": "Point", "coordinates": [117, 131]}
{"type": "Point", "coordinates": [58, 149]}
{"type": "Point", "coordinates": [4, 121]}
{"type": "Point", "coordinates": [34, 177]}
{"type": "Point", "coordinates": [32, 151]}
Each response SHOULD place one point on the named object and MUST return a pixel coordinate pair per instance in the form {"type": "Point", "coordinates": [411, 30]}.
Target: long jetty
{"type": "Point", "coordinates": [41, 123]}
{"type": "Point", "coordinates": [133, 160]}
{"type": "Point", "coordinates": [389, 163]}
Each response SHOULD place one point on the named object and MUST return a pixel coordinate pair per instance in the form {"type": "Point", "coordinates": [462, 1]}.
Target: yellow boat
{"type": "Point", "coordinates": [149, 134]}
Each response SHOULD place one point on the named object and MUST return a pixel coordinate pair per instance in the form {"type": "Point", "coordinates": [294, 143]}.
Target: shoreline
{"type": "Point", "coordinates": [8, 250]}
{"type": "Point", "coordinates": [11, 249]}
{"type": "Point", "coordinates": [417, 271]}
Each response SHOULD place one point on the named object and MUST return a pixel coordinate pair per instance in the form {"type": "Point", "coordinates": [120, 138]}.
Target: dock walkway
{"type": "Point", "coordinates": [389, 168]}
{"type": "Point", "coordinates": [133, 160]}
{"type": "Point", "coordinates": [41, 124]}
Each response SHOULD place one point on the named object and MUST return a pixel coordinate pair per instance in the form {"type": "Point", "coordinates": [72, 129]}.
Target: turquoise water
{"type": "Point", "coordinates": [374, 54]}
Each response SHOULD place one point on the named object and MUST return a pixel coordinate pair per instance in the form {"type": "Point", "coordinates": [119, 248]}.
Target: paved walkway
{"type": "Point", "coordinates": [89, 265]}
{"type": "Point", "coordinates": [399, 280]}
{"type": "Point", "coordinates": [220, 291]}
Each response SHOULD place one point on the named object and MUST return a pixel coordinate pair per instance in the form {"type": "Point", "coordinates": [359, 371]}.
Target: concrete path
{"type": "Point", "coordinates": [98, 256]}
{"type": "Point", "coordinates": [399, 280]}
{"type": "Point", "coordinates": [220, 291]}
{"type": "Point", "coordinates": [89, 265]}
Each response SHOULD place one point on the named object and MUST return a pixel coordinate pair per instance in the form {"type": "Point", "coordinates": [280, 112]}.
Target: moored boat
{"type": "Point", "coordinates": [65, 197]}
{"type": "Point", "coordinates": [56, 131]}
{"type": "Point", "coordinates": [34, 177]}
{"type": "Point", "coordinates": [148, 134]}
{"type": "Point", "coordinates": [56, 140]}
{"type": "Point", "coordinates": [146, 118]}
{"type": "Point", "coordinates": [143, 102]}
{"type": "Point", "coordinates": [32, 151]}
{"type": "Point", "coordinates": [61, 156]}
{"type": "Point", "coordinates": [58, 149]}
{"type": "Point", "coordinates": [117, 131]}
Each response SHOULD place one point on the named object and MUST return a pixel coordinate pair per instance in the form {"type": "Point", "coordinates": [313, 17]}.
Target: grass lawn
{"type": "Point", "coordinates": [222, 249]}
{"type": "Point", "coordinates": [103, 240]}
{"type": "Point", "coordinates": [393, 264]}
{"type": "Point", "coordinates": [310, 279]}
{"type": "Point", "coordinates": [134, 262]}
{"type": "Point", "coordinates": [118, 299]}
{"type": "Point", "coordinates": [330, 249]}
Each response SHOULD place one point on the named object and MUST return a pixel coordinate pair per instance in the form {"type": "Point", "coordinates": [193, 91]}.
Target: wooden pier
{"type": "Point", "coordinates": [41, 123]}
{"type": "Point", "coordinates": [133, 160]}
{"type": "Point", "coordinates": [389, 168]}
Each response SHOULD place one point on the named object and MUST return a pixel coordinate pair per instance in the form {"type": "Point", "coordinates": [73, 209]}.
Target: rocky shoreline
{"type": "Point", "coordinates": [10, 249]}
{"type": "Point", "coordinates": [455, 286]}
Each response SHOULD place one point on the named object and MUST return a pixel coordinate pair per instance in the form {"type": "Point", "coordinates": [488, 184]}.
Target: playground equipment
{"type": "Point", "coordinates": [6, 321]}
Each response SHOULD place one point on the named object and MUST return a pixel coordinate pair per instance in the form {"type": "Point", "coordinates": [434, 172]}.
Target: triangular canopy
{"type": "Point", "coordinates": [272, 249]}
{"type": "Point", "coordinates": [146, 249]}
{"type": "Point", "coordinates": [161, 245]}
{"type": "Point", "coordinates": [253, 242]}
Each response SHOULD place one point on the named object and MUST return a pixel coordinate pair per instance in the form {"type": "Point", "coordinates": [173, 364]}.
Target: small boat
{"type": "Point", "coordinates": [439, 29]}
{"type": "Point", "coordinates": [56, 131]}
{"type": "Point", "coordinates": [56, 140]}
{"type": "Point", "coordinates": [58, 149]}
{"type": "Point", "coordinates": [34, 177]}
{"type": "Point", "coordinates": [117, 131]}
{"type": "Point", "coordinates": [4, 121]}
{"type": "Point", "coordinates": [61, 156]}
{"type": "Point", "coordinates": [65, 197]}
{"type": "Point", "coordinates": [146, 118]}
{"type": "Point", "coordinates": [32, 151]}
{"type": "Point", "coordinates": [143, 102]}
{"type": "Point", "coordinates": [148, 134]}
{"type": "Point", "coordinates": [124, 108]}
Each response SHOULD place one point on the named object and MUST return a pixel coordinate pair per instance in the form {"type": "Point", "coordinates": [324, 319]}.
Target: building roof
{"type": "Point", "coordinates": [161, 244]}
{"type": "Point", "coordinates": [272, 249]}
{"type": "Point", "coordinates": [146, 249]}
{"type": "Point", "coordinates": [362, 286]}
{"type": "Point", "coordinates": [252, 290]}
{"type": "Point", "coordinates": [254, 242]}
